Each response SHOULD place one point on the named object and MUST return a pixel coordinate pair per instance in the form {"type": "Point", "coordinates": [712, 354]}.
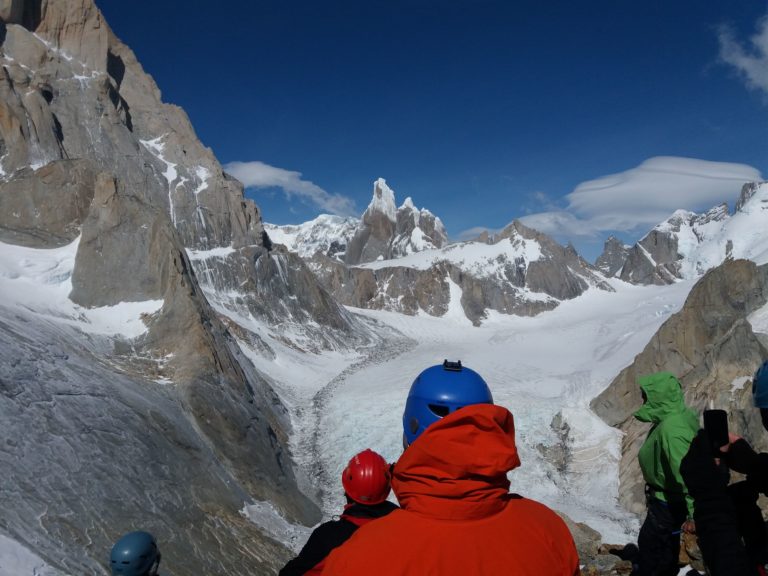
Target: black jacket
{"type": "Point", "coordinates": [714, 512]}
{"type": "Point", "coordinates": [332, 534]}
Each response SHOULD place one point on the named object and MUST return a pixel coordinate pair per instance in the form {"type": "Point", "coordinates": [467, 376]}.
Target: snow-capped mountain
{"type": "Point", "coordinates": [326, 234]}
{"type": "Point", "coordinates": [386, 232]}
{"type": "Point", "coordinates": [520, 271]}
{"type": "Point", "coordinates": [383, 232]}
{"type": "Point", "coordinates": [688, 244]}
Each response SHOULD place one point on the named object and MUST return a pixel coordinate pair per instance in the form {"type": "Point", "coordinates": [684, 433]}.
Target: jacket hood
{"type": "Point", "coordinates": [457, 468]}
{"type": "Point", "coordinates": [665, 397]}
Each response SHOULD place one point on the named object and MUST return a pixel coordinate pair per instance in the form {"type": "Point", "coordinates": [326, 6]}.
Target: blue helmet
{"type": "Point", "coordinates": [760, 386]}
{"type": "Point", "coordinates": [439, 391]}
{"type": "Point", "coordinates": [135, 554]}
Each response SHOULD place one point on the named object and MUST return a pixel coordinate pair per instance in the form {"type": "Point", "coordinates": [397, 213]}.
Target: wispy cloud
{"type": "Point", "coordinates": [257, 174]}
{"type": "Point", "coordinates": [641, 197]}
{"type": "Point", "coordinates": [752, 61]}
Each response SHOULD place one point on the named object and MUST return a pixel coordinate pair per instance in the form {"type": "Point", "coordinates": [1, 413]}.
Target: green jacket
{"type": "Point", "coordinates": [674, 426]}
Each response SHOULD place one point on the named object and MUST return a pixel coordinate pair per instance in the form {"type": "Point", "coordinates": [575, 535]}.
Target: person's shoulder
{"type": "Point", "coordinates": [537, 510]}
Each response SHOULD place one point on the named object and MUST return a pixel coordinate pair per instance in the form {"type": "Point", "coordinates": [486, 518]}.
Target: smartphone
{"type": "Point", "coordinates": [716, 426]}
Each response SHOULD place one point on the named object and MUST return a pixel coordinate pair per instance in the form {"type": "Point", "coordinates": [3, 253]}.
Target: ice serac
{"type": "Point", "coordinates": [386, 232]}
{"type": "Point", "coordinates": [710, 345]}
{"type": "Point", "coordinates": [176, 429]}
{"type": "Point", "coordinates": [519, 271]}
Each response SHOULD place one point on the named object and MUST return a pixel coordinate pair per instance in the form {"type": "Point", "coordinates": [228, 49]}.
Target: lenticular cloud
{"type": "Point", "coordinates": [655, 189]}
{"type": "Point", "coordinates": [644, 196]}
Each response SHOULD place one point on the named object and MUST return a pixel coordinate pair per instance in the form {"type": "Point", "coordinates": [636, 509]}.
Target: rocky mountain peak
{"type": "Point", "coordinates": [388, 232]}
{"type": "Point", "coordinates": [614, 255]}
{"type": "Point", "coordinates": [747, 192]}
{"type": "Point", "coordinates": [383, 202]}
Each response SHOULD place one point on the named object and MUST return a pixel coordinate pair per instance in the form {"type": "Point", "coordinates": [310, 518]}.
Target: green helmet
{"type": "Point", "coordinates": [135, 554]}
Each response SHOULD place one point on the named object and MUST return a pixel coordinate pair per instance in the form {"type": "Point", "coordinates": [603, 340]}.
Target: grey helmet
{"type": "Point", "coordinates": [135, 554]}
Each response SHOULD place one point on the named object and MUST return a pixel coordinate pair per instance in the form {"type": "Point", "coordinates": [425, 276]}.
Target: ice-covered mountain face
{"type": "Point", "coordinates": [326, 234]}
{"type": "Point", "coordinates": [688, 244]}
{"type": "Point", "coordinates": [520, 271]}
{"type": "Point", "coordinates": [387, 232]}
{"type": "Point", "coordinates": [139, 364]}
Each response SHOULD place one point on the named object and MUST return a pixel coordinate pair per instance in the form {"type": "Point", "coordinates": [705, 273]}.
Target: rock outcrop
{"type": "Point", "coordinates": [613, 257]}
{"type": "Point", "coordinates": [709, 344]}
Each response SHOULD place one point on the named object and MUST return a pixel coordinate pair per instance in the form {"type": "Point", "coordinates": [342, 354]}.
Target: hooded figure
{"type": "Point", "coordinates": [457, 515]}
{"type": "Point", "coordinates": [669, 505]}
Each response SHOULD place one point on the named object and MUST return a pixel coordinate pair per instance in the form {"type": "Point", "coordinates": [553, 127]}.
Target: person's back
{"type": "Point", "coordinates": [457, 515]}
{"type": "Point", "coordinates": [366, 481]}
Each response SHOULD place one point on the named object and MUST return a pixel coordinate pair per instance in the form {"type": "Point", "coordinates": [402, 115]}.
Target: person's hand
{"type": "Point", "coordinates": [740, 457]}
{"type": "Point", "coordinates": [732, 439]}
{"type": "Point", "coordinates": [689, 526]}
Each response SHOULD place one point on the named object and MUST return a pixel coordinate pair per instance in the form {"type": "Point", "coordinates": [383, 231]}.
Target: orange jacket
{"type": "Point", "coordinates": [458, 517]}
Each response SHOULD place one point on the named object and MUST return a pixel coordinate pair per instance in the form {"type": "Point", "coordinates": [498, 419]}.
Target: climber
{"type": "Point", "coordinates": [457, 515]}
{"type": "Point", "coordinates": [366, 482]}
{"type": "Point", "coordinates": [669, 506]}
{"type": "Point", "coordinates": [135, 554]}
{"type": "Point", "coordinates": [731, 524]}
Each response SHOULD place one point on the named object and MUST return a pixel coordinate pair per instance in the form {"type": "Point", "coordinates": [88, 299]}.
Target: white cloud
{"type": "Point", "coordinates": [640, 198]}
{"type": "Point", "coordinates": [260, 175]}
{"type": "Point", "coordinates": [751, 62]}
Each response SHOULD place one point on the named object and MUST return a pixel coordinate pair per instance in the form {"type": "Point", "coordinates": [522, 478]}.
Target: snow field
{"type": "Point", "coordinates": [40, 280]}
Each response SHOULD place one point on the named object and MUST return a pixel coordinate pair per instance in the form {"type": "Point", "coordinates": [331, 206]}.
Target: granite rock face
{"type": "Point", "coordinates": [174, 430]}
{"type": "Point", "coordinates": [613, 257]}
{"type": "Point", "coordinates": [46, 207]}
{"type": "Point", "coordinates": [709, 344]}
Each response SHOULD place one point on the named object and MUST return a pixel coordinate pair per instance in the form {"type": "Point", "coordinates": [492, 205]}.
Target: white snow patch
{"type": "Point", "coordinates": [738, 383]}
{"type": "Point", "coordinates": [156, 146]}
{"type": "Point", "coordinates": [221, 252]}
{"type": "Point", "coordinates": [455, 310]}
{"type": "Point", "coordinates": [759, 320]}
{"type": "Point", "coordinates": [203, 174]}
{"type": "Point", "coordinates": [40, 280]}
{"type": "Point", "coordinates": [478, 258]}
{"type": "Point", "coordinates": [17, 560]}
{"type": "Point", "coordinates": [269, 519]}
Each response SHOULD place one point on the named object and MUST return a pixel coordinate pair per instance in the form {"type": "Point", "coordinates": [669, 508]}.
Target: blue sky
{"type": "Point", "coordinates": [582, 118]}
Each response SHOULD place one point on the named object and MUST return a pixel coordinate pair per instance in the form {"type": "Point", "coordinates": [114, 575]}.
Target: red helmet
{"type": "Point", "coordinates": [366, 478]}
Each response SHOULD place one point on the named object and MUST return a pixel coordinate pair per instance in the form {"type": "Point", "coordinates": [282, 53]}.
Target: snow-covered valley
{"type": "Point", "coordinates": [536, 367]}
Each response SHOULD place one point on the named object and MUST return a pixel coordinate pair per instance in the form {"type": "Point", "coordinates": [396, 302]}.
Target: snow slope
{"type": "Point", "coordinates": [16, 560]}
{"type": "Point", "coordinates": [40, 280]}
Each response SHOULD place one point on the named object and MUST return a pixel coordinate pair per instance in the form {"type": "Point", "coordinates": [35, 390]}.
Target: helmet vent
{"type": "Point", "coordinates": [452, 366]}
{"type": "Point", "coordinates": [439, 410]}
